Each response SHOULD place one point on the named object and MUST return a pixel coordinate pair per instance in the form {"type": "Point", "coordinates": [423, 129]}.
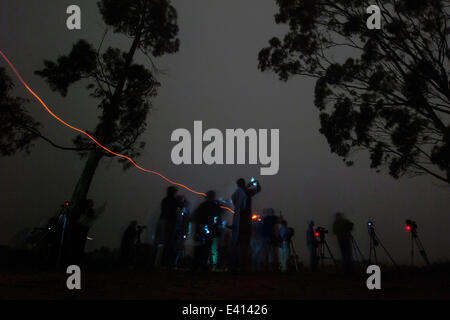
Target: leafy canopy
{"type": "Point", "coordinates": [123, 87]}
{"type": "Point", "coordinates": [385, 91]}
{"type": "Point", "coordinates": [18, 129]}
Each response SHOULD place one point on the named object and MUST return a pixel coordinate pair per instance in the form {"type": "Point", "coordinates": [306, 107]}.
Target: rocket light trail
{"type": "Point", "coordinates": [226, 208]}
{"type": "Point", "coordinates": [93, 139]}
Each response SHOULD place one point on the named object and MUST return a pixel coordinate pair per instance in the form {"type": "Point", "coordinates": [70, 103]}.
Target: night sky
{"type": "Point", "coordinates": [213, 78]}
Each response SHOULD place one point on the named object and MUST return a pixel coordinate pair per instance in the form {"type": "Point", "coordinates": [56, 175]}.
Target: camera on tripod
{"type": "Point", "coordinates": [411, 226]}
{"type": "Point", "coordinates": [66, 204]}
{"type": "Point", "coordinates": [289, 234]}
{"type": "Point", "coordinates": [320, 233]}
{"type": "Point", "coordinates": [374, 243]}
{"type": "Point", "coordinates": [372, 233]}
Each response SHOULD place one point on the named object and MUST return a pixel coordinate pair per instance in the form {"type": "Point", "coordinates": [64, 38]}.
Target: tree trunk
{"type": "Point", "coordinates": [103, 134]}
{"type": "Point", "coordinates": [105, 128]}
{"type": "Point", "coordinates": [72, 240]}
{"type": "Point", "coordinates": [85, 180]}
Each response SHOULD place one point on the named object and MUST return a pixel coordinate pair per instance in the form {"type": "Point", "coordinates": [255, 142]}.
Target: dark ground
{"type": "Point", "coordinates": [408, 284]}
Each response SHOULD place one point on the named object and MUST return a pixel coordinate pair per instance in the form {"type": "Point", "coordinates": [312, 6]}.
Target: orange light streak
{"type": "Point", "coordinates": [93, 139]}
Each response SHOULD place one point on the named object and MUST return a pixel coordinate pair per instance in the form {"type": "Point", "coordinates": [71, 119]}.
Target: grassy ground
{"type": "Point", "coordinates": [432, 283]}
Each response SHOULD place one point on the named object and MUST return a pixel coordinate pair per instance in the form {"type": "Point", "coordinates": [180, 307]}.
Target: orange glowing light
{"type": "Point", "coordinates": [254, 217]}
{"type": "Point", "coordinates": [226, 208]}
{"type": "Point", "coordinates": [92, 138]}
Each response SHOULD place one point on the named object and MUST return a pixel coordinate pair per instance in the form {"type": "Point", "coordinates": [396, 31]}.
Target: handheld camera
{"type": "Point", "coordinates": [253, 182]}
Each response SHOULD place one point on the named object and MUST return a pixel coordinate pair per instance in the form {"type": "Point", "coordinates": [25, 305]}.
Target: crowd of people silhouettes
{"type": "Point", "coordinates": [251, 242]}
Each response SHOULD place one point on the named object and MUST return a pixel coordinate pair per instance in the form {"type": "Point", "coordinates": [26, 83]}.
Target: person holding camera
{"type": "Point", "coordinates": [245, 224]}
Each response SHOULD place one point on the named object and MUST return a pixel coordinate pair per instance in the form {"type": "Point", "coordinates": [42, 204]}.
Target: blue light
{"type": "Point", "coordinates": [207, 230]}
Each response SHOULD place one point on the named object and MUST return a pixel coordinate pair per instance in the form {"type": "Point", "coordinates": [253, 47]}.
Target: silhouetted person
{"type": "Point", "coordinates": [311, 243]}
{"type": "Point", "coordinates": [257, 243]}
{"type": "Point", "coordinates": [245, 221]}
{"type": "Point", "coordinates": [128, 244]}
{"type": "Point", "coordinates": [270, 239]}
{"type": "Point", "coordinates": [285, 236]}
{"type": "Point", "coordinates": [169, 214]}
{"type": "Point", "coordinates": [81, 229]}
{"type": "Point", "coordinates": [217, 233]}
{"type": "Point", "coordinates": [203, 217]}
{"type": "Point", "coordinates": [140, 229]}
{"type": "Point", "coordinates": [239, 199]}
{"type": "Point", "coordinates": [343, 228]}
{"type": "Point", "coordinates": [181, 227]}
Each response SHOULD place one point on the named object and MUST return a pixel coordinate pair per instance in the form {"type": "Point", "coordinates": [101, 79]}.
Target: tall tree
{"type": "Point", "coordinates": [385, 91]}
{"type": "Point", "coordinates": [123, 88]}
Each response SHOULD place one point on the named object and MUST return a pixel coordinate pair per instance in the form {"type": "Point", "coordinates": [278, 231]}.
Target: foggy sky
{"type": "Point", "coordinates": [213, 78]}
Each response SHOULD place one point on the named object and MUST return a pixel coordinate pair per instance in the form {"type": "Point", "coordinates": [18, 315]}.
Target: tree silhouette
{"type": "Point", "coordinates": [385, 91]}
{"type": "Point", "coordinates": [18, 130]}
{"type": "Point", "coordinates": [123, 87]}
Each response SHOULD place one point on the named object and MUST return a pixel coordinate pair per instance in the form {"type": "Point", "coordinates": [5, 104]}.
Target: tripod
{"type": "Point", "coordinates": [322, 245]}
{"type": "Point", "coordinates": [374, 242]}
{"type": "Point", "coordinates": [415, 239]}
{"type": "Point", "coordinates": [293, 254]}
{"type": "Point", "coordinates": [358, 254]}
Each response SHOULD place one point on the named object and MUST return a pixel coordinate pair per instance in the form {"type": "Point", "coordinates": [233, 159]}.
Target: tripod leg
{"type": "Point", "coordinates": [329, 251]}
{"type": "Point", "coordinates": [387, 252]}
{"type": "Point", "coordinates": [375, 254]}
{"type": "Point", "coordinates": [294, 255]}
{"type": "Point", "coordinates": [358, 251]}
{"type": "Point", "coordinates": [355, 252]}
{"type": "Point", "coordinates": [321, 255]}
{"type": "Point", "coordinates": [422, 250]}
{"type": "Point", "coordinates": [373, 249]}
